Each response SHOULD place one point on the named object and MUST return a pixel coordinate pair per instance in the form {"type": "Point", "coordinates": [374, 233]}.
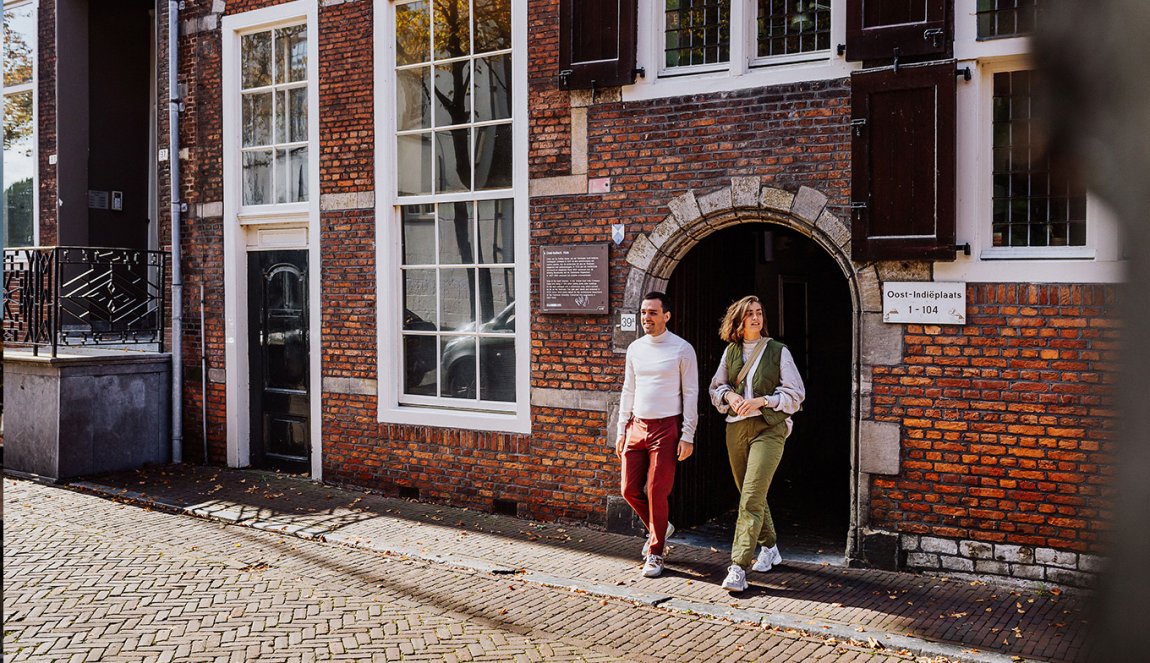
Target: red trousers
{"type": "Point", "coordinates": [649, 458]}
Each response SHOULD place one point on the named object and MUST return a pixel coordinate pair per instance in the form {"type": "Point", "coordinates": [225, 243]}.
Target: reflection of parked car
{"type": "Point", "coordinates": [418, 351]}
{"type": "Point", "coordinates": [497, 360]}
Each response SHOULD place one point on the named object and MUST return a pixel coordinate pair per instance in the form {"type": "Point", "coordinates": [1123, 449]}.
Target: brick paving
{"type": "Point", "coordinates": [88, 579]}
{"type": "Point", "coordinates": [932, 616]}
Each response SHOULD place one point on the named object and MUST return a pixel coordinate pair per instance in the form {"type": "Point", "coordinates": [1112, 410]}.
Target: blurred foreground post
{"type": "Point", "coordinates": [1096, 59]}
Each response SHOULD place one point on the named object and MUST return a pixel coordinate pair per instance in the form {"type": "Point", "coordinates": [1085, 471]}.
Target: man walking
{"type": "Point", "coordinates": [658, 411]}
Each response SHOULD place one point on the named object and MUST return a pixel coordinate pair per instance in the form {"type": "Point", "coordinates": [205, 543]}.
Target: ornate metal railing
{"type": "Point", "coordinates": [81, 296]}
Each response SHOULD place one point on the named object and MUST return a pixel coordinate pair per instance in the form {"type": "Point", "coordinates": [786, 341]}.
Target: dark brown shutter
{"type": "Point", "coordinates": [596, 43]}
{"type": "Point", "coordinates": [875, 28]}
{"type": "Point", "coordinates": [903, 170]}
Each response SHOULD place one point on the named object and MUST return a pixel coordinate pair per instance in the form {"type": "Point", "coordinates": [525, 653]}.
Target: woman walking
{"type": "Point", "coordinates": [758, 387]}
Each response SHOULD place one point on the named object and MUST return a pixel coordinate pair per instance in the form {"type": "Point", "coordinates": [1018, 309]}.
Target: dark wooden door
{"type": "Point", "coordinates": [718, 271]}
{"type": "Point", "coordinates": [278, 326]}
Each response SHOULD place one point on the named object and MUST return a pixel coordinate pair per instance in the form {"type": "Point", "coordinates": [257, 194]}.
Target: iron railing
{"type": "Point", "coordinates": [83, 296]}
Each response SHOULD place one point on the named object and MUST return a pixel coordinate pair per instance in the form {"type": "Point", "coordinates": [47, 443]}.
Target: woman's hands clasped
{"type": "Point", "coordinates": [744, 406]}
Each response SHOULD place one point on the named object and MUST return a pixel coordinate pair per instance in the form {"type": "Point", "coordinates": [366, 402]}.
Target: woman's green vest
{"type": "Point", "coordinates": [765, 378]}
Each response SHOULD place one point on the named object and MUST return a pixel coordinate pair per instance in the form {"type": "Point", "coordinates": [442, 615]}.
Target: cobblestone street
{"type": "Point", "coordinates": [88, 579]}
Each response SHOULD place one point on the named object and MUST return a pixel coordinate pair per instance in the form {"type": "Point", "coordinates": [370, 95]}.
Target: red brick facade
{"type": "Point", "coordinates": [1006, 421]}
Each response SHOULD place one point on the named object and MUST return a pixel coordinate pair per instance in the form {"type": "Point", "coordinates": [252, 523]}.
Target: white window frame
{"type": "Point", "coordinates": [275, 225]}
{"type": "Point", "coordinates": [394, 406]}
{"type": "Point", "coordinates": [744, 70]}
{"type": "Point", "coordinates": [1098, 261]}
{"type": "Point", "coordinates": [33, 87]}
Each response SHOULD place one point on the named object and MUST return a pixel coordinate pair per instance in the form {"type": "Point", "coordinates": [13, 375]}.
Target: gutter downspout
{"type": "Point", "coordinates": [174, 105]}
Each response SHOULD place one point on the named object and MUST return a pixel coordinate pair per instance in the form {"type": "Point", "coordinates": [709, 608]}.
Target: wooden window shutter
{"type": "Point", "coordinates": [903, 163]}
{"type": "Point", "coordinates": [916, 28]}
{"type": "Point", "coordinates": [596, 43]}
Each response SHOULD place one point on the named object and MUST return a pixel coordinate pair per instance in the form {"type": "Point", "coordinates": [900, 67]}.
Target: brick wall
{"type": "Point", "coordinates": [1006, 421]}
{"type": "Point", "coordinates": [46, 121]}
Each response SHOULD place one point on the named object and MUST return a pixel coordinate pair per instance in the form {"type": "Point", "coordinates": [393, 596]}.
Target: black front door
{"type": "Point", "coordinates": [278, 342]}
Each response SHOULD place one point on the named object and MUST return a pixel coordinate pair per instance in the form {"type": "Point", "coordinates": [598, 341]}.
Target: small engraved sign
{"type": "Point", "coordinates": [573, 278]}
{"type": "Point", "coordinates": [924, 302]}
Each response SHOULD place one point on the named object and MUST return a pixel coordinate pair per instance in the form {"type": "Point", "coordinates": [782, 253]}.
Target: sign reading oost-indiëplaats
{"type": "Point", "coordinates": [924, 302]}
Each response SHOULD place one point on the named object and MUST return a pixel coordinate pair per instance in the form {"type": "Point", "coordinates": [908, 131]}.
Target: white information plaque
{"type": "Point", "coordinates": [924, 302]}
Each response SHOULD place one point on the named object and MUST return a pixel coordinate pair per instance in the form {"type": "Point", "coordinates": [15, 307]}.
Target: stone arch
{"type": "Point", "coordinates": [653, 257]}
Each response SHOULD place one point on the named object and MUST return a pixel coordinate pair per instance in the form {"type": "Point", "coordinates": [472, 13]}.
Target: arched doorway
{"type": "Point", "coordinates": [808, 306]}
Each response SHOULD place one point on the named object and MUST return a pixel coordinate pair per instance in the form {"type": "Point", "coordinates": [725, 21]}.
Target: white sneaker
{"type": "Point", "coordinates": [653, 567]}
{"type": "Point", "coordinates": [767, 558]}
{"type": "Point", "coordinates": [736, 580]}
{"type": "Point", "coordinates": [647, 543]}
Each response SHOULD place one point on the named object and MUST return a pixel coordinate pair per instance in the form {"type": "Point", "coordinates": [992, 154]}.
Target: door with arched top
{"type": "Point", "coordinates": [807, 306]}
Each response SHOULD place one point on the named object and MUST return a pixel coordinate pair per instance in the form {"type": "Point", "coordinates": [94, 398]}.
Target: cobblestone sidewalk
{"type": "Point", "coordinates": [955, 618]}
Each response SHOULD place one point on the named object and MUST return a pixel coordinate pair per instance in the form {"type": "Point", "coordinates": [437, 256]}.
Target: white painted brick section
{"type": "Point", "coordinates": [922, 561]}
{"type": "Point", "coordinates": [976, 550]}
{"type": "Point", "coordinates": [944, 546]}
{"type": "Point", "coordinates": [1014, 554]}
{"type": "Point", "coordinates": [957, 564]}
{"type": "Point", "coordinates": [1051, 557]}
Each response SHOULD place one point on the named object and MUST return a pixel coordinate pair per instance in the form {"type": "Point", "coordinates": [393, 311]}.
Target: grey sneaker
{"type": "Point", "coordinates": [653, 567]}
{"type": "Point", "coordinates": [767, 558]}
{"type": "Point", "coordinates": [647, 543]}
{"type": "Point", "coordinates": [736, 580]}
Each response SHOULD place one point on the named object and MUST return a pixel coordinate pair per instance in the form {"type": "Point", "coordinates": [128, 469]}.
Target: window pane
{"type": "Point", "coordinates": [496, 296]}
{"type": "Point", "coordinates": [497, 369]}
{"type": "Point", "coordinates": [1006, 18]}
{"type": "Point", "coordinates": [493, 148]}
{"type": "Point", "coordinates": [697, 32]}
{"type": "Point", "coordinates": [295, 105]}
{"type": "Point", "coordinates": [257, 119]}
{"type": "Point", "coordinates": [411, 31]}
{"type": "Point", "coordinates": [1039, 197]}
{"type": "Point", "coordinates": [419, 299]}
{"type": "Point", "coordinates": [418, 234]}
{"type": "Point", "coordinates": [413, 98]}
{"type": "Point", "coordinates": [419, 356]}
{"type": "Point", "coordinates": [457, 299]}
{"type": "Point", "coordinates": [456, 233]}
{"type": "Point", "coordinates": [493, 88]}
{"type": "Point", "coordinates": [256, 60]}
{"type": "Point", "coordinates": [458, 360]}
{"type": "Point", "coordinates": [291, 54]}
{"type": "Point", "coordinates": [793, 26]}
{"type": "Point", "coordinates": [297, 175]}
{"type": "Point", "coordinates": [453, 160]}
{"type": "Point", "coordinates": [492, 25]}
{"type": "Point", "coordinates": [414, 152]}
{"type": "Point", "coordinates": [257, 177]}
{"type": "Point", "coordinates": [453, 93]}
{"type": "Point", "coordinates": [496, 231]}
{"type": "Point", "coordinates": [19, 42]}
{"type": "Point", "coordinates": [452, 35]}
{"type": "Point", "coordinates": [19, 169]}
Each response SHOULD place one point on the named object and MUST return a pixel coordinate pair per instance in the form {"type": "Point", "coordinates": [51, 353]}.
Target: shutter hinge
{"type": "Point", "coordinates": [563, 76]}
{"type": "Point", "coordinates": [858, 125]}
{"type": "Point", "coordinates": [641, 72]}
{"type": "Point", "coordinates": [851, 206]}
{"type": "Point", "coordinates": [964, 72]}
{"type": "Point", "coordinates": [965, 248]}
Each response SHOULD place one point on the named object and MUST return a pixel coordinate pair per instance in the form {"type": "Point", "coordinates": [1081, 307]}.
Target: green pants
{"type": "Point", "coordinates": [755, 449]}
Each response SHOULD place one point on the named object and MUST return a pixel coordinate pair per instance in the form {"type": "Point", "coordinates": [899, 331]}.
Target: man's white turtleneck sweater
{"type": "Point", "coordinates": [661, 380]}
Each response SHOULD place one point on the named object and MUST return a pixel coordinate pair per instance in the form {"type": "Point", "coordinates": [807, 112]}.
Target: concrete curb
{"type": "Point", "coordinates": [886, 642]}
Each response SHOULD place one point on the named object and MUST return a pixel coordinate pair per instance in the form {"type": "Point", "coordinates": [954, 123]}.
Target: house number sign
{"type": "Point", "coordinates": [924, 302]}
